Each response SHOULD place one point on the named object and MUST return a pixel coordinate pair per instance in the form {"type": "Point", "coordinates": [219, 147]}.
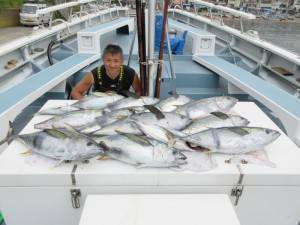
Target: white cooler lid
{"type": "Point", "coordinates": [208, 209]}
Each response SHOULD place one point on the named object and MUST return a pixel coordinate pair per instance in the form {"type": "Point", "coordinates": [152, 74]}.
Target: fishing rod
{"type": "Point", "coordinates": [161, 50]}
{"type": "Point", "coordinates": [144, 50]}
{"type": "Point", "coordinates": [141, 44]}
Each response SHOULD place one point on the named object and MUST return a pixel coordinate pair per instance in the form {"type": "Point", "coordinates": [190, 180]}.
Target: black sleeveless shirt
{"type": "Point", "coordinates": [104, 83]}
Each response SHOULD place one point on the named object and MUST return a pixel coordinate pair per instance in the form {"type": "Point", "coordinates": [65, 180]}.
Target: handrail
{"type": "Point", "coordinates": [234, 12]}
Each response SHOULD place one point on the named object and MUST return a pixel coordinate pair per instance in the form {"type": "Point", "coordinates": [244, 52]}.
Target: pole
{"type": "Point", "coordinates": [151, 28]}
{"type": "Point", "coordinates": [140, 43]}
{"type": "Point", "coordinates": [161, 50]}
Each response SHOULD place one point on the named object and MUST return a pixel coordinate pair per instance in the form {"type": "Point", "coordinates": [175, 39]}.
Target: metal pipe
{"type": "Point", "coordinates": [170, 52]}
{"type": "Point", "coordinates": [144, 50]}
{"type": "Point", "coordinates": [170, 59]}
{"type": "Point", "coordinates": [151, 30]}
{"type": "Point", "coordinates": [161, 50]}
{"type": "Point", "coordinates": [131, 46]}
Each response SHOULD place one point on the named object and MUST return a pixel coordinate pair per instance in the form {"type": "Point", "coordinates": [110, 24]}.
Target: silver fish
{"type": "Point", "coordinates": [203, 107]}
{"type": "Point", "coordinates": [163, 135]}
{"type": "Point", "coordinates": [171, 103]}
{"type": "Point", "coordinates": [215, 120]}
{"type": "Point", "coordinates": [77, 119]}
{"type": "Point", "coordinates": [141, 152]}
{"type": "Point", "coordinates": [106, 119]}
{"type": "Point", "coordinates": [198, 161]}
{"type": "Point", "coordinates": [57, 110]}
{"type": "Point", "coordinates": [233, 140]}
{"type": "Point", "coordinates": [171, 121]}
{"type": "Point", "coordinates": [133, 102]}
{"type": "Point", "coordinates": [93, 102]}
{"type": "Point", "coordinates": [61, 145]}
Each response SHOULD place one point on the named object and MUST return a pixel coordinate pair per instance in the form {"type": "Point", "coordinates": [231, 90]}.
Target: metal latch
{"type": "Point", "coordinates": [237, 192]}
{"type": "Point", "coordinates": [238, 189]}
{"type": "Point", "coordinates": [75, 197]}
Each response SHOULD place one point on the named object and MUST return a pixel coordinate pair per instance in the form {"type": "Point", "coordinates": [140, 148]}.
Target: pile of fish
{"type": "Point", "coordinates": [176, 132]}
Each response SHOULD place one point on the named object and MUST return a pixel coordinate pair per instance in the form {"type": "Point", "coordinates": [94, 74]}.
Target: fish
{"type": "Point", "coordinates": [106, 119]}
{"type": "Point", "coordinates": [61, 144]}
{"type": "Point", "coordinates": [133, 102]}
{"type": "Point", "coordinates": [171, 121]}
{"type": "Point", "coordinates": [57, 110]}
{"type": "Point", "coordinates": [163, 135]}
{"type": "Point", "coordinates": [77, 119]}
{"type": "Point", "coordinates": [141, 152]}
{"type": "Point", "coordinates": [233, 140]}
{"type": "Point", "coordinates": [203, 107]}
{"type": "Point", "coordinates": [257, 157]}
{"type": "Point", "coordinates": [215, 120]}
{"type": "Point", "coordinates": [198, 161]}
{"type": "Point", "coordinates": [171, 103]}
{"type": "Point", "coordinates": [94, 102]}
{"type": "Point", "coordinates": [97, 100]}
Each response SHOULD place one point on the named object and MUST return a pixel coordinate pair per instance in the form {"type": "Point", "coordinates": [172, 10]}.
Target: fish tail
{"type": "Point", "coordinates": [9, 136]}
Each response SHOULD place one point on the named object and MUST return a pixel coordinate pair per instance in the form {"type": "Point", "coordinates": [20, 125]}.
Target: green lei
{"type": "Point", "coordinates": [119, 80]}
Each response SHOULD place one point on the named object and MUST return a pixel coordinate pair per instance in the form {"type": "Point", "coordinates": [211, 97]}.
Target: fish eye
{"type": "Point", "coordinates": [89, 143]}
{"type": "Point", "coordinates": [268, 131]}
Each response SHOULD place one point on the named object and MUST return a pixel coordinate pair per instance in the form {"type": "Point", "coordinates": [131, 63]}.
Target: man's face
{"type": "Point", "coordinates": [112, 63]}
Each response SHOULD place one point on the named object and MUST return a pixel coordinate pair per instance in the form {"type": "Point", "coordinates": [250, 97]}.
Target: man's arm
{"type": "Point", "coordinates": [82, 86]}
{"type": "Point", "coordinates": [136, 85]}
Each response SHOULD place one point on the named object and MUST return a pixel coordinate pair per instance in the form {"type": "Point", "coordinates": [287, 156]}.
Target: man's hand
{"type": "Point", "coordinates": [82, 86]}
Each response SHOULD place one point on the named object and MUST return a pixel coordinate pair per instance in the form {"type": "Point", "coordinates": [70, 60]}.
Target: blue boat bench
{"type": "Point", "coordinates": [15, 99]}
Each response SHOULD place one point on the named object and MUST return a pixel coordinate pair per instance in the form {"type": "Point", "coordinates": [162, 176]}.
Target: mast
{"type": "Point", "coordinates": [141, 43]}
{"type": "Point", "coordinates": [161, 50]}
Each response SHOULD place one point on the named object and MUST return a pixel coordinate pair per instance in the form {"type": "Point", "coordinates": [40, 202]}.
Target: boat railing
{"type": "Point", "coordinates": [220, 9]}
{"type": "Point", "coordinates": [70, 5]}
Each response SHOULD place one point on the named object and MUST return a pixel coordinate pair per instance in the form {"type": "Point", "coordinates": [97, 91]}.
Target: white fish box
{"type": "Point", "coordinates": [208, 209]}
{"type": "Point", "coordinates": [32, 192]}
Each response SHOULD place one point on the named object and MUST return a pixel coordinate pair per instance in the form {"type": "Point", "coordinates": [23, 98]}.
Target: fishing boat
{"type": "Point", "coordinates": [214, 59]}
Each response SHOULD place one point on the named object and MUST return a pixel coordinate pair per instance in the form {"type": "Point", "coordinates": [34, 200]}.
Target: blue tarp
{"type": "Point", "coordinates": [176, 43]}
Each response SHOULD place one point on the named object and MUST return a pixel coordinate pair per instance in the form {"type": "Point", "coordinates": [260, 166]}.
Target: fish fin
{"type": "Point", "coordinates": [71, 128]}
{"type": "Point", "coordinates": [141, 165]}
{"type": "Point", "coordinates": [197, 147]}
{"type": "Point", "coordinates": [220, 115]}
{"type": "Point", "coordinates": [178, 168]}
{"type": "Point", "coordinates": [27, 153]}
{"type": "Point", "coordinates": [238, 130]}
{"type": "Point", "coordinates": [9, 136]}
{"type": "Point", "coordinates": [158, 114]}
{"type": "Point", "coordinates": [141, 140]}
{"type": "Point", "coordinates": [103, 157]}
{"type": "Point", "coordinates": [170, 136]}
{"type": "Point", "coordinates": [58, 163]}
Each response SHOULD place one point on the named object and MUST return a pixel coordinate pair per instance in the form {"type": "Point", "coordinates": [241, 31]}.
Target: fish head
{"type": "Point", "coordinates": [271, 135]}
{"type": "Point", "coordinates": [239, 120]}
{"type": "Point", "coordinates": [175, 156]}
{"type": "Point", "coordinates": [92, 147]}
{"type": "Point", "coordinates": [225, 103]}
{"type": "Point", "coordinates": [263, 136]}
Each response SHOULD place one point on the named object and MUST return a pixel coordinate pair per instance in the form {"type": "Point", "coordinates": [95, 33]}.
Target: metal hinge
{"type": "Point", "coordinates": [238, 189]}
{"type": "Point", "coordinates": [75, 197]}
